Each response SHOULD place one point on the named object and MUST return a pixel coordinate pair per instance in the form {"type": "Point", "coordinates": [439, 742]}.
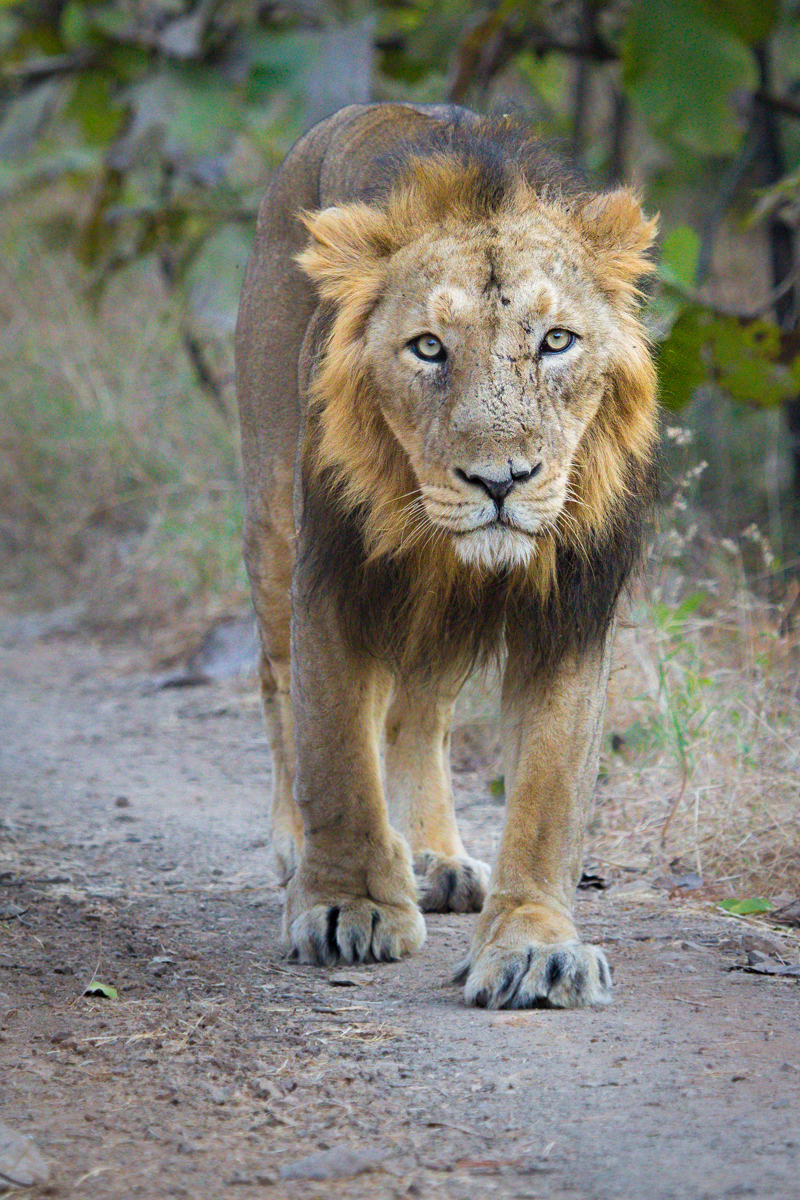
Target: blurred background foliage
{"type": "Point", "coordinates": [137, 137]}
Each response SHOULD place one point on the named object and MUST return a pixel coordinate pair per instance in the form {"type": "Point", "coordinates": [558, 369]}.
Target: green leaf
{"type": "Point", "coordinates": [96, 988]}
{"type": "Point", "coordinates": [277, 61]}
{"type": "Point", "coordinates": [740, 357]}
{"type": "Point", "coordinates": [44, 168]}
{"type": "Point", "coordinates": [95, 108]}
{"type": "Point", "coordinates": [547, 75]}
{"type": "Point", "coordinates": [679, 253]}
{"type": "Point", "coordinates": [744, 361]}
{"type": "Point", "coordinates": [751, 20]}
{"type": "Point", "coordinates": [682, 69]}
{"type": "Point", "coordinates": [128, 63]}
{"type": "Point", "coordinates": [75, 25]}
{"type": "Point", "coordinates": [681, 368]}
{"type": "Point", "coordinates": [112, 23]}
{"type": "Point", "coordinates": [742, 908]}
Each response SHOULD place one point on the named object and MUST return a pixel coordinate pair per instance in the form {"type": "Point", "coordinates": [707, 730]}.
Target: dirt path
{"type": "Point", "coordinates": [134, 849]}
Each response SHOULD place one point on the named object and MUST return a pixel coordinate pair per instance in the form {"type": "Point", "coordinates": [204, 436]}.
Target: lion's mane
{"type": "Point", "coordinates": [406, 598]}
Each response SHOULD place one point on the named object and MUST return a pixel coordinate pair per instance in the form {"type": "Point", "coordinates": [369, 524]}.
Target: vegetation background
{"type": "Point", "coordinates": [136, 139]}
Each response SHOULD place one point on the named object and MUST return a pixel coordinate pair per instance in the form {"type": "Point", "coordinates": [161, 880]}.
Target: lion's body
{"type": "Point", "coordinates": [426, 513]}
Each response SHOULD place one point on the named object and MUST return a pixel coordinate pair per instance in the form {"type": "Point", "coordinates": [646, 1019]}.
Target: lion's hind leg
{"type": "Point", "coordinates": [420, 794]}
{"type": "Point", "coordinates": [286, 823]}
{"type": "Point", "coordinates": [270, 559]}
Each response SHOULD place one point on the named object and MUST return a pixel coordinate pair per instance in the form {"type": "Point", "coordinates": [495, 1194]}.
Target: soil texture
{"type": "Point", "coordinates": [133, 857]}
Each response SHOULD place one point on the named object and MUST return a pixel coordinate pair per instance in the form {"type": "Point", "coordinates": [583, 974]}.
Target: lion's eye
{"type": "Point", "coordinates": [556, 341]}
{"type": "Point", "coordinates": [428, 347]}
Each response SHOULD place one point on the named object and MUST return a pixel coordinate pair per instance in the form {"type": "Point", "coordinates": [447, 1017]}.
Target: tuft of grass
{"type": "Point", "coordinates": [702, 758]}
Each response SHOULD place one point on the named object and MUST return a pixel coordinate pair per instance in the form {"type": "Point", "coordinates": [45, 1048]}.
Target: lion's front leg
{"type": "Point", "coordinates": [526, 950]}
{"type": "Point", "coordinates": [352, 898]}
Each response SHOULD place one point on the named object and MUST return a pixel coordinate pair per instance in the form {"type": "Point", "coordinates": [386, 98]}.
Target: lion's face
{"type": "Point", "coordinates": [503, 354]}
{"type": "Point", "coordinates": [490, 356]}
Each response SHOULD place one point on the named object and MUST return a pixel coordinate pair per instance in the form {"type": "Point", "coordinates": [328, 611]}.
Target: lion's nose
{"type": "Point", "coordinates": [499, 486]}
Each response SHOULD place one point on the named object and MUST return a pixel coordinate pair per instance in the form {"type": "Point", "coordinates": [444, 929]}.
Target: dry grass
{"type": "Point", "coordinates": [703, 754]}
{"type": "Point", "coordinates": [118, 477]}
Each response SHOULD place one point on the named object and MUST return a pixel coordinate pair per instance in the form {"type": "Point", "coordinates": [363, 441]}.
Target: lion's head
{"type": "Point", "coordinates": [486, 397]}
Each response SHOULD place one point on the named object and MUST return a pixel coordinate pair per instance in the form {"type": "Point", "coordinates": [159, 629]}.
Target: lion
{"type": "Point", "coordinates": [448, 416]}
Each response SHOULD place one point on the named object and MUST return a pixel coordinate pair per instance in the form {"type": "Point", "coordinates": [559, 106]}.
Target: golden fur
{"type": "Point", "coordinates": [435, 223]}
{"type": "Point", "coordinates": [354, 448]}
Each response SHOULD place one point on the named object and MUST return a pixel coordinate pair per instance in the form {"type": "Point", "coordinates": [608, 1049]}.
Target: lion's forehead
{"type": "Point", "coordinates": [491, 280]}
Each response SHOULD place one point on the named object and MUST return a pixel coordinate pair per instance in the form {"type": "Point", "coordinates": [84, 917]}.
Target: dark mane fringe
{"type": "Point", "coordinates": [387, 612]}
{"type": "Point", "coordinates": [492, 153]}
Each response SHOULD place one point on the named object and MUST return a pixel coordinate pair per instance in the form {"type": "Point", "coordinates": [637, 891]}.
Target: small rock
{"type": "Point", "coordinates": [21, 1162]}
{"type": "Point", "coordinates": [158, 965]}
{"type": "Point", "coordinates": [340, 1162]}
{"type": "Point", "coordinates": [219, 1095]}
{"type": "Point", "coordinates": [634, 889]}
{"type": "Point", "coordinates": [343, 979]}
{"type": "Point", "coordinates": [789, 914]}
{"type": "Point", "coordinates": [762, 943]}
{"type": "Point", "coordinates": [265, 1089]}
{"type": "Point", "coordinates": [9, 911]}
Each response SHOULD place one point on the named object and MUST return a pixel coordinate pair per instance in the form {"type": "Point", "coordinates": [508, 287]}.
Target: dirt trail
{"type": "Point", "coordinates": [134, 848]}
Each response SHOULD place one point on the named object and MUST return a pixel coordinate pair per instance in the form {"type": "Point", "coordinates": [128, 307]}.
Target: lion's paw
{"type": "Point", "coordinates": [285, 857]}
{"type": "Point", "coordinates": [450, 883]}
{"type": "Point", "coordinates": [355, 931]}
{"type": "Point", "coordinates": [561, 975]}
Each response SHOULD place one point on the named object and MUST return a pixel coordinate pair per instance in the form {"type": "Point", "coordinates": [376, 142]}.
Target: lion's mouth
{"type": "Point", "coordinates": [501, 521]}
{"type": "Point", "coordinates": [497, 545]}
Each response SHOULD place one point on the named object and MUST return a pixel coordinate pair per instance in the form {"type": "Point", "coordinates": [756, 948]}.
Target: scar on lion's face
{"type": "Point", "coordinates": [497, 407]}
{"type": "Point", "coordinates": [493, 349]}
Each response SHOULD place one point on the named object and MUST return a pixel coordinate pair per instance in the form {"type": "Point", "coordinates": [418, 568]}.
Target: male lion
{"type": "Point", "coordinates": [448, 421]}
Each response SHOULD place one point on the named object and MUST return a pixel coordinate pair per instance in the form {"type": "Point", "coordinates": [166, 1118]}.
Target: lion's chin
{"type": "Point", "coordinates": [495, 548]}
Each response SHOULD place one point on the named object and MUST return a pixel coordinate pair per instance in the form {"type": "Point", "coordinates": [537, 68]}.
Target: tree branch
{"type": "Point", "coordinates": [777, 103]}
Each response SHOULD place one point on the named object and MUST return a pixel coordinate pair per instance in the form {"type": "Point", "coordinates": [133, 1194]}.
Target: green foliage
{"type": "Point", "coordinates": [167, 122]}
{"type": "Point", "coordinates": [679, 253]}
{"type": "Point", "coordinates": [750, 20]}
{"type": "Point", "coordinates": [746, 907]}
{"type": "Point", "coordinates": [741, 357]}
{"type": "Point", "coordinates": [104, 990]}
{"type": "Point", "coordinates": [681, 70]}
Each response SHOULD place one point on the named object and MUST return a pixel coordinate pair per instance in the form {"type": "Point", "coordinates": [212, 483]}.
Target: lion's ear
{"type": "Point", "coordinates": [619, 234]}
{"type": "Point", "coordinates": [349, 244]}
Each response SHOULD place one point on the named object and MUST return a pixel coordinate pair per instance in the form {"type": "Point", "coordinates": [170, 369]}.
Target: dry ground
{"type": "Point", "coordinates": [134, 853]}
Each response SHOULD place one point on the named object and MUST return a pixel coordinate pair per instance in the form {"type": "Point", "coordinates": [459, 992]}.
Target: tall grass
{"type": "Point", "coordinates": [117, 475]}
{"type": "Point", "coordinates": [702, 760]}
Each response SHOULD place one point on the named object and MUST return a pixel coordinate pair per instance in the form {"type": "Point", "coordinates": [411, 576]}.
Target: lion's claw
{"type": "Point", "coordinates": [355, 931]}
{"type": "Point", "coordinates": [564, 975]}
{"type": "Point", "coordinates": [450, 883]}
